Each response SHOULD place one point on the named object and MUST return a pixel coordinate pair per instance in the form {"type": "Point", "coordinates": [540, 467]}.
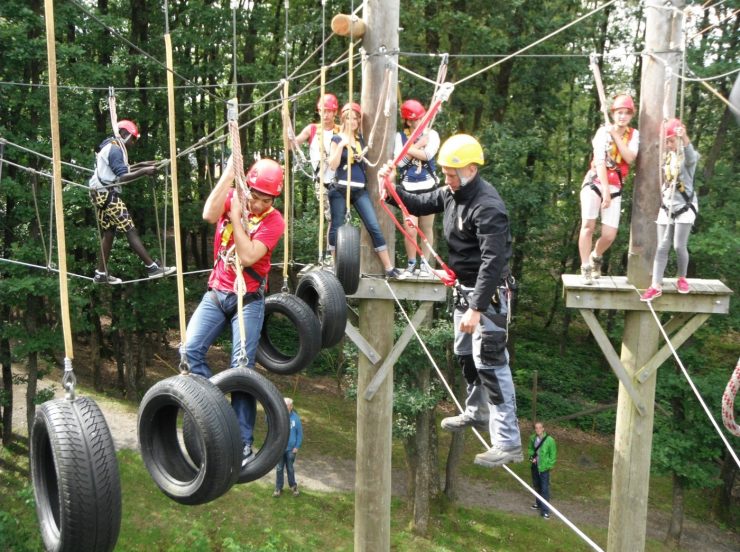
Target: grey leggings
{"type": "Point", "coordinates": [677, 233]}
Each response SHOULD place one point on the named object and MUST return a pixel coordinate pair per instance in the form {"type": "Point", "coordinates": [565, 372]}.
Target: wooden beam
{"type": "Point", "coordinates": [612, 358]}
{"type": "Point", "coordinates": [408, 332]}
{"type": "Point", "coordinates": [361, 343]}
{"type": "Point", "coordinates": [413, 290]}
{"type": "Point", "coordinates": [677, 340]}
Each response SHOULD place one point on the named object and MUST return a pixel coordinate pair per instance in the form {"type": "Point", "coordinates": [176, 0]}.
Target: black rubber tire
{"type": "Point", "coordinates": [252, 383]}
{"type": "Point", "coordinates": [75, 477]}
{"type": "Point", "coordinates": [321, 291]}
{"type": "Point", "coordinates": [217, 432]}
{"type": "Point", "coordinates": [308, 331]}
{"type": "Point", "coordinates": [347, 260]}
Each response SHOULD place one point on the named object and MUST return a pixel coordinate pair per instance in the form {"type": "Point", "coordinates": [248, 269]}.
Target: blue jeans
{"type": "Point", "coordinates": [286, 461]}
{"type": "Point", "coordinates": [364, 205]}
{"type": "Point", "coordinates": [215, 311]}
{"type": "Point", "coordinates": [541, 484]}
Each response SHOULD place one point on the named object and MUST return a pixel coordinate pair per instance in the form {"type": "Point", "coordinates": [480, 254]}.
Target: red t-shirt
{"type": "Point", "coordinates": [267, 229]}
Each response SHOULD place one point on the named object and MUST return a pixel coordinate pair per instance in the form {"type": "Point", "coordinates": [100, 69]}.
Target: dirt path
{"type": "Point", "coordinates": [326, 474]}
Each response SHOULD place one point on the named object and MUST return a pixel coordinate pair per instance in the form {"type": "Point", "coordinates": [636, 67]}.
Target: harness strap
{"type": "Point", "coordinates": [597, 190]}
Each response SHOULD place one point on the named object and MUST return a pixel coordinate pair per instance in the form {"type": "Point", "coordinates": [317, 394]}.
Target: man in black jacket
{"type": "Point", "coordinates": [476, 226]}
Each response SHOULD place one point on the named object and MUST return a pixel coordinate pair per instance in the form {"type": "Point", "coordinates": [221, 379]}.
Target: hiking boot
{"type": "Point", "coordinates": [496, 456]}
{"type": "Point", "coordinates": [460, 422]}
{"type": "Point", "coordinates": [586, 273]}
{"type": "Point", "coordinates": [682, 285]}
{"type": "Point", "coordinates": [277, 493]}
{"type": "Point", "coordinates": [103, 278]}
{"type": "Point", "coordinates": [295, 490]}
{"type": "Point", "coordinates": [595, 265]}
{"type": "Point", "coordinates": [247, 455]}
{"type": "Point", "coordinates": [393, 273]}
{"type": "Point", "coordinates": [158, 271]}
{"type": "Point", "coordinates": [650, 294]}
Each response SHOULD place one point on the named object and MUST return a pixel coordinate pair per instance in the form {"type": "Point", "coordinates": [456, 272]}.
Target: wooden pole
{"type": "Point", "coordinates": [57, 170]}
{"type": "Point", "coordinates": [374, 417]}
{"type": "Point", "coordinates": [634, 432]}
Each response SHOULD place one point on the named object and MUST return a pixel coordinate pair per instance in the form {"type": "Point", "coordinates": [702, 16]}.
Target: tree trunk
{"type": "Point", "coordinates": [723, 501]}
{"type": "Point", "coordinates": [96, 342]}
{"type": "Point", "coordinates": [6, 405]}
{"type": "Point", "coordinates": [419, 450]}
{"type": "Point", "coordinates": [673, 538]}
{"type": "Point", "coordinates": [457, 444]}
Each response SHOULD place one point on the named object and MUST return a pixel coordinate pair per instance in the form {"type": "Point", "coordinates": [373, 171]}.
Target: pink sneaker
{"type": "Point", "coordinates": [650, 294]}
{"type": "Point", "coordinates": [682, 285]}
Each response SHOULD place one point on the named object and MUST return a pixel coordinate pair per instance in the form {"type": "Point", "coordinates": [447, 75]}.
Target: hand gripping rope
{"type": "Point", "coordinates": [728, 402]}
{"type": "Point", "coordinates": [448, 277]}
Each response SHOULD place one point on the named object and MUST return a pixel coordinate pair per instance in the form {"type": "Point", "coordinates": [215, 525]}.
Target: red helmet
{"type": "Point", "coordinates": [266, 176]}
{"type": "Point", "coordinates": [411, 110]}
{"type": "Point", "coordinates": [671, 126]}
{"type": "Point", "coordinates": [128, 126]}
{"type": "Point", "coordinates": [353, 107]}
{"type": "Point", "coordinates": [330, 103]}
{"type": "Point", "coordinates": [623, 101]}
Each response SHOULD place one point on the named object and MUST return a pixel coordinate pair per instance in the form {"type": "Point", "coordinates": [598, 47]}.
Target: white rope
{"type": "Point", "coordinates": [691, 384]}
{"type": "Point", "coordinates": [557, 512]}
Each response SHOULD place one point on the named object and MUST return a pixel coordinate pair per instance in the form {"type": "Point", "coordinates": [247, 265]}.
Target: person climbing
{"type": "Point", "coordinates": [254, 246]}
{"type": "Point", "coordinates": [476, 227]}
{"type": "Point", "coordinates": [312, 134]}
{"type": "Point", "coordinates": [615, 148]}
{"type": "Point", "coordinates": [111, 170]}
{"type": "Point", "coordinates": [350, 137]}
{"type": "Point", "coordinates": [417, 176]}
{"type": "Point", "coordinates": [678, 209]}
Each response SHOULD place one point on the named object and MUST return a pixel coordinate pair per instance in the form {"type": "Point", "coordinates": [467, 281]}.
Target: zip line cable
{"type": "Point", "coordinates": [451, 393]}
{"type": "Point", "coordinates": [536, 42]}
{"type": "Point", "coordinates": [691, 383]}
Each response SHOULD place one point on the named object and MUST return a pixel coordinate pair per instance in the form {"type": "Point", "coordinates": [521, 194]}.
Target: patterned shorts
{"type": "Point", "coordinates": [111, 211]}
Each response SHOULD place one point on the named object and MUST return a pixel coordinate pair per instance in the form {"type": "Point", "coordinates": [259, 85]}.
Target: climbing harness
{"type": "Point", "coordinates": [728, 402]}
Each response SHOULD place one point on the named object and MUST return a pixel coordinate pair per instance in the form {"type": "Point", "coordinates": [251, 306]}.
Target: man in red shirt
{"type": "Point", "coordinates": [254, 246]}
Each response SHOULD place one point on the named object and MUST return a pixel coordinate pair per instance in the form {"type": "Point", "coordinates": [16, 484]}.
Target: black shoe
{"type": "Point", "coordinates": [392, 273]}
{"type": "Point", "coordinates": [103, 278]}
{"type": "Point", "coordinates": [546, 516]}
{"type": "Point", "coordinates": [534, 507]}
{"type": "Point", "coordinates": [158, 271]}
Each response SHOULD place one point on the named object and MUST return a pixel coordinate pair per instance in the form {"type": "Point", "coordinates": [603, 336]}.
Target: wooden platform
{"type": "Point", "coordinates": [616, 293]}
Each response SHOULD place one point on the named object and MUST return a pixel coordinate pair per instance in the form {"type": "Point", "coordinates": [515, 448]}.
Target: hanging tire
{"type": "Point", "coordinates": [75, 476]}
{"type": "Point", "coordinates": [322, 291]}
{"type": "Point", "coordinates": [291, 335]}
{"type": "Point", "coordinates": [272, 444]}
{"type": "Point", "coordinates": [162, 411]}
{"type": "Point", "coordinates": [347, 261]}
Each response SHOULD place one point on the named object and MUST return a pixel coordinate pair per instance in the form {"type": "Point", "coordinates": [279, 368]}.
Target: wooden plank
{"type": "Point", "coordinates": [424, 310]}
{"type": "Point", "coordinates": [612, 358]}
{"type": "Point", "coordinates": [677, 340]}
{"type": "Point", "coordinates": [677, 321]}
{"type": "Point", "coordinates": [414, 290]}
{"type": "Point", "coordinates": [357, 338]}
{"type": "Point", "coordinates": [670, 301]}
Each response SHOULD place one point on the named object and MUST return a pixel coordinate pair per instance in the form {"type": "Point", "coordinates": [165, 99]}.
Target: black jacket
{"type": "Point", "coordinates": [476, 227]}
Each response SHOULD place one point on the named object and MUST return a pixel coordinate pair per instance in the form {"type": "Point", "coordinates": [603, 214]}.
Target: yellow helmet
{"type": "Point", "coordinates": [460, 151]}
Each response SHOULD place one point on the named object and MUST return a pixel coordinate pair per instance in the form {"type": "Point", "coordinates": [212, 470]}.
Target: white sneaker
{"type": "Point", "coordinates": [496, 456]}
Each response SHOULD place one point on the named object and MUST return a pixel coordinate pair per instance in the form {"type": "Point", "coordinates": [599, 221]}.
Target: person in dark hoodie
{"type": "Point", "coordinates": [111, 170]}
{"type": "Point", "coordinates": [476, 227]}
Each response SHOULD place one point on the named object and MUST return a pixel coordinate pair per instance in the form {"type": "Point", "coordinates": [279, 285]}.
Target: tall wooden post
{"type": "Point", "coordinates": [634, 432]}
{"type": "Point", "coordinates": [374, 417]}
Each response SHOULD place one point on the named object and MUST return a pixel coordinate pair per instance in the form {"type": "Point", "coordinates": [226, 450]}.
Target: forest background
{"type": "Point", "coordinates": [535, 115]}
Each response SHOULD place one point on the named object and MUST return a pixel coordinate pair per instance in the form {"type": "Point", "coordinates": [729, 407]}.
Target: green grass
{"type": "Point", "coordinates": [248, 519]}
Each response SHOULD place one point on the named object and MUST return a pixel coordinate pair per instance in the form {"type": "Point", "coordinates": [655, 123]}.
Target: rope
{"type": "Point", "coordinates": [539, 41]}
{"type": "Point", "coordinates": [22, 148]}
{"type": "Point", "coordinates": [286, 175]}
{"type": "Point", "coordinates": [691, 383]}
{"type": "Point", "coordinates": [451, 393]}
{"type": "Point", "coordinates": [594, 65]}
{"type": "Point", "coordinates": [728, 402]}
